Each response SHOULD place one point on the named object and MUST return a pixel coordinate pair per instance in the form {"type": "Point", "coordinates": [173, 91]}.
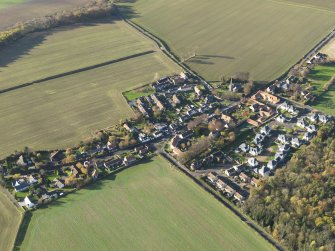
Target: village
{"type": "Point", "coordinates": [231, 146]}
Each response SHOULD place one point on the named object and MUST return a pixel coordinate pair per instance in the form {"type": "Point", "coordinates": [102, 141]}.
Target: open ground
{"type": "Point", "coordinates": [222, 37]}
{"type": "Point", "coordinates": [148, 207]}
{"type": "Point", "coordinates": [10, 219]}
{"type": "Point", "coordinates": [65, 110]}
{"type": "Point", "coordinates": [14, 11]}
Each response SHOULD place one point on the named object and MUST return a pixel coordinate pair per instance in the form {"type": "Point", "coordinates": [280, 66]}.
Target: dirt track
{"type": "Point", "coordinates": [34, 8]}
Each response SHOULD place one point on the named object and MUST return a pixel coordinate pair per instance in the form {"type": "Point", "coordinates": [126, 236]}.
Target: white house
{"type": "Point", "coordinates": [295, 142]}
{"type": "Point", "coordinates": [282, 139]}
{"type": "Point", "coordinates": [252, 162]}
{"type": "Point", "coordinates": [313, 117]}
{"type": "Point", "coordinates": [244, 147]}
{"type": "Point", "coordinates": [255, 151]}
{"type": "Point", "coordinates": [272, 164]}
{"type": "Point", "coordinates": [28, 203]}
{"type": "Point", "coordinates": [323, 118]}
{"type": "Point", "coordinates": [311, 128]}
{"type": "Point", "coordinates": [301, 123]}
{"type": "Point", "coordinates": [259, 138]}
{"type": "Point", "coordinates": [265, 130]}
{"type": "Point", "coordinates": [307, 136]}
{"type": "Point", "coordinates": [264, 171]}
{"type": "Point", "coordinates": [284, 148]}
{"type": "Point", "coordinates": [281, 118]}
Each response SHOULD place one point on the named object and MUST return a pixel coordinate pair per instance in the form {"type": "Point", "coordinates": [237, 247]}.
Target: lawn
{"type": "Point", "coordinates": [63, 111]}
{"type": "Point", "coordinates": [318, 77]}
{"type": "Point", "coordinates": [264, 37]}
{"type": "Point", "coordinates": [147, 207]}
{"type": "Point", "coordinates": [10, 219]}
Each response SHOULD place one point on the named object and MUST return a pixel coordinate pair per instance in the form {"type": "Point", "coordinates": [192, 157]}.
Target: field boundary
{"type": "Point", "coordinates": [235, 211]}
{"type": "Point", "coordinates": [80, 70]}
{"type": "Point", "coordinates": [161, 45]}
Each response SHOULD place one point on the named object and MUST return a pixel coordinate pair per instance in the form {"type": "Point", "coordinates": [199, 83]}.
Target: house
{"type": "Point", "coordinates": [301, 123]}
{"type": "Point", "coordinates": [140, 148]}
{"type": "Point", "coordinates": [284, 147]}
{"type": "Point", "coordinates": [282, 139]}
{"type": "Point", "coordinates": [158, 102]}
{"type": "Point", "coordinates": [238, 168]}
{"type": "Point", "coordinates": [281, 118]}
{"type": "Point", "coordinates": [20, 186]}
{"type": "Point", "coordinates": [266, 130]}
{"type": "Point", "coordinates": [323, 118]}
{"type": "Point", "coordinates": [289, 108]}
{"type": "Point", "coordinates": [185, 88]}
{"type": "Point", "coordinates": [279, 156]}
{"type": "Point", "coordinates": [252, 162]}
{"type": "Point", "coordinates": [234, 87]}
{"type": "Point", "coordinates": [229, 190]}
{"type": "Point", "coordinates": [244, 147]}
{"type": "Point", "coordinates": [176, 100]}
{"type": "Point", "coordinates": [272, 164]}
{"type": "Point", "coordinates": [264, 171]}
{"type": "Point", "coordinates": [129, 160]}
{"type": "Point", "coordinates": [56, 156]}
{"type": "Point", "coordinates": [254, 107]}
{"type": "Point", "coordinates": [212, 177]}
{"type": "Point", "coordinates": [308, 136]}
{"type": "Point", "coordinates": [144, 138]}
{"type": "Point", "coordinates": [220, 184]}
{"type": "Point", "coordinates": [244, 177]}
{"type": "Point", "coordinates": [74, 171]}
{"type": "Point", "coordinates": [230, 172]}
{"type": "Point", "coordinates": [266, 96]}
{"type": "Point", "coordinates": [313, 117]}
{"type": "Point", "coordinates": [31, 180]}
{"type": "Point", "coordinates": [255, 151]}
{"type": "Point", "coordinates": [21, 161]}
{"type": "Point", "coordinates": [177, 80]}
{"type": "Point", "coordinates": [113, 163]}
{"type": "Point", "coordinates": [183, 75]}
{"type": "Point", "coordinates": [259, 138]}
{"type": "Point", "coordinates": [175, 141]}
{"type": "Point", "coordinates": [112, 146]}
{"type": "Point", "coordinates": [295, 142]}
{"type": "Point", "coordinates": [239, 196]}
{"type": "Point", "coordinates": [255, 182]}
{"type": "Point", "coordinates": [128, 127]}
{"type": "Point", "coordinates": [27, 202]}
{"type": "Point", "coordinates": [271, 89]}
{"type": "Point", "coordinates": [311, 128]}
{"type": "Point", "coordinates": [143, 110]}
{"type": "Point", "coordinates": [57, 183]}
{"type": "Point", "coordinates": [227, 119]}
{"type": "Point", "coordinates": [186, 134]}
{"type": "Point", "coordinates": [198, 91]}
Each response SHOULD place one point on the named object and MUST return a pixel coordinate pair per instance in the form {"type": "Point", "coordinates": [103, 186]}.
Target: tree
{"type": "Point", "coordinates": [231, 136]}
{"type": "Point", "coordinates": [242, 76]}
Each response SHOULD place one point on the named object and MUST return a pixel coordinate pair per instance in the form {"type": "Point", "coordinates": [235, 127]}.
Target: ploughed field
{"type": "Point", "coordinates": [222, 37]}
{"type": "Point", "coordinates": [150, 206]}
{"type": "Point", "coordinates": [10, 219]}
{"type": "Point", "coordinates": [14, 11]}
{"type": "Point", "coordinates": [62, 111]}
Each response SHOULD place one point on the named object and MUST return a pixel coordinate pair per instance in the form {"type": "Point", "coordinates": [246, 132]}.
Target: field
{"type": "Point", "coordinates": [63, 111]}
{"type": "Point", "coordinates": [229, 36]}
{"type": "Point", "coordinates": [9, 222]}
{"type": "Point", "coordinates": [319, 76]}
{"type": "Point", "coordinates": [14, 11]}
{"type": "Point", "coordinates": [147, 207]}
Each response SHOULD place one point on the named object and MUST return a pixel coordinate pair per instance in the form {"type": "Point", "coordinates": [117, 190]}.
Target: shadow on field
{"type": "Point", "coordinates": [127, 11]}
{"type": "Point", "coordinates": [16, 50]}
{"type": "Point", "coordinates": [22, 230]}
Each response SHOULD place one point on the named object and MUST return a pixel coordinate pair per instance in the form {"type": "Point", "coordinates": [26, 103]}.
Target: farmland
{"type": "Point", "coordinates": [9, 222]}
{"type": "Point", "coordinates": [14, 11]}
{"type": "Point", "coordinates": [63, 111]}
{"type": "Point", "coordinates": [148, 207]}
{"type": "Point", "coordinates": [222, 37]}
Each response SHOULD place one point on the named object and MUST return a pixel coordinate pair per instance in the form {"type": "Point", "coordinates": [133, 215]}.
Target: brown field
{"type": "Point", "coordinates": [10, 219]}
{"type": "Point", "coordinates": [34, 8]}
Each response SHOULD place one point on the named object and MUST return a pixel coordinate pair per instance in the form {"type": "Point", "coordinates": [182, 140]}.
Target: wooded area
{"type": "Point", "coordinates": [297, 205]}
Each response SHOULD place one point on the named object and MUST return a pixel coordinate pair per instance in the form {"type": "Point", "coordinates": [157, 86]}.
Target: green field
{"type": "Point", "coordinates": [63, 111]}
{"type": "Point", "coordinates": [264, 37]}
{"type": "Point", "coordinates": [7, 3]}
{"type": "Point", "coordinates": [10, 219]}
{"type": "Point", "coordinates": [318, 77]}
{"type": "Point", "coordinates": [147, 207]}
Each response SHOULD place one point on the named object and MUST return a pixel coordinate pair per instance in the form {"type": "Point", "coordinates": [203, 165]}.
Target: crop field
{"type": "Point", "coordinates": [65, 110]}
{"type": "Point", "coordinates": [14, 11]}
{"type": "Point", "coordinates": [222, 37]}
{"type": "Point", "coordinates": [151, 206]}
{"type": "Point", "coordinates": [9, 223]}
{"type": "Point", "coordinates": [319, 76]}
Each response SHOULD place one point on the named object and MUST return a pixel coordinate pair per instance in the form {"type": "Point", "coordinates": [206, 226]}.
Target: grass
{"type": "Point", "coordinates": [63, 111]}
{"type": "Point", "coordinates": [318, 77]}
{"type": "Point", "coordinates": [137, 93]}
{"type": "Point", "coordinates": [148, 207]}
{"type": "Point", "coordinates": [10, 219]}
{"type": "Point", "coordinates": [7, 3]}
{"type": "Point", "coordinates": [229, 36]}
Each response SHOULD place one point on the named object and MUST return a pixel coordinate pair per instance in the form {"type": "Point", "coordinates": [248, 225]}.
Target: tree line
{"type": "Point", "coordinates": [93, 9]}
{"type": "Point", "coordinates": [297, 205]}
